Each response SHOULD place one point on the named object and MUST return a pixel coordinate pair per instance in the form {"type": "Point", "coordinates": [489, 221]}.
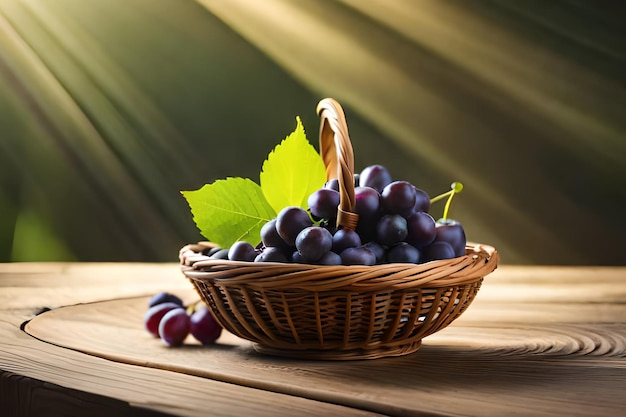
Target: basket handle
{"type": "Point", "coordinates": [336, 151]}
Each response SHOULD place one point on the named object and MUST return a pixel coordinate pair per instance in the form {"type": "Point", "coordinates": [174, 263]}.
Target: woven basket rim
{"type": "Point", "coordinates": [479, 261]}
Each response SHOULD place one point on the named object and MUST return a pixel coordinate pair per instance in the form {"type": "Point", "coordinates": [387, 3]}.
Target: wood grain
{"type": "Point", "coordinates": [538, 347]}
{"type": "Point", "coordinates": [141, 387]}
{"type": "Point", "coordinates": [43, 399]}
{"type": "Point", "coordinates": [39, 378]}
{"type": "Point", "coordinates": [537, 341]}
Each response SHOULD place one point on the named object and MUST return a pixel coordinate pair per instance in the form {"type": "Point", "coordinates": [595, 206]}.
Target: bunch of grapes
{"type": "Point", "coordinates": [168, 319]}
{"type": "Point", "coordinates": [394, 226]}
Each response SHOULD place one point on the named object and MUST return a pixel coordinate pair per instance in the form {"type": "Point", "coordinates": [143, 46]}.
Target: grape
{"type": "Point", "coordinates": [332, 184]}
{"type": "Point", "coordinates": [152, 317]}
{"type": "Point", "coordinates": [393, 226]}
{"type": "Point", "coordinates": [345, 238]}
{"type": "Point", "coordinates": [375, 176]}
{"type": "Point", "coordinates": [313, 242]}
{"type": "Point", "coordinates": [422, 201]}
{"type": "Point", "coordinates": [242, 251]}
{"type": "Point", "coordinates": [421, 229]}
{"type": "Point", "coordinates": [399, 197]}
{"type": "Point", "coordinates": [298, 259]}
{"type": "Point", "coordinates": [164, 297]}
{"type": "Point", "coordinates": [451, 231]}
{"type": "Point", "coordinates": [323, 203]}
{"type": "Point", "coordinates": [270, 236]}
{"type": "Point", "coordinates": [368, 207]}
{"type": "Point", "coordinates": [377, 249]}
{"type": "Point", "coordinates": [358, 256]}
{"type": "Point", "coordinates": [290, 222]}
{"type": "Point", "coordinates": [272, 254]}
{"type": "Point", "coordinates": [367, 203]}
{"type": "Point", "coordinates": [211, 251]}
{"type": "Point", "coordinates": [391, 229]}
{"type": "Point", "coordinates": [220, 254]}
{"type": "Point", "coordinates": [403, 252]}
{"type": "Point", "coordinates": [438, 250]}
{"type": "Point", "coordinates": [203, 326]}
{"type": "Point", "coordinates": [330, 258]}
{"type": "Point", "coordinates": [174, 327]}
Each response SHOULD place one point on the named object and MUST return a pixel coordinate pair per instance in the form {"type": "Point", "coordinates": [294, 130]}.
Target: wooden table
{"type": "Point", "coordinates": [537, 341]}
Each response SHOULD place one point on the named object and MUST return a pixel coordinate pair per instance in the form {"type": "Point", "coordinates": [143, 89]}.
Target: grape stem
{"type": "Point", "coordinates": [456, 187]}
{"type": "Point", "coordinates": [191, 308]}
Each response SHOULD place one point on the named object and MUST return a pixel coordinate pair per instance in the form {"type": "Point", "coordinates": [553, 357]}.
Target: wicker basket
{"type": "Point", "coordinates": [337, 312]}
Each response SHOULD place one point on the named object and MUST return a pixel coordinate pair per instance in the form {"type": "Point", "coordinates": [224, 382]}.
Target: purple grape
{"type": "Point", "coordinates": [421, 229]}
{"type": "Point", "coordinates": [174, 327]}
{"type": "Point", "coordinates": [164, 297]}
{"type": "Point", "coordinates": [358, 256]}
{"type": "Point", "coordinates": [345, 238]}
{"type": "Point", "coordinates": [377, 249]}
{"type": "Point", "coordinates": [330, 258]}
{"type": "Point", "coordinates": [203, 326]}
{"type": "Point", "coordinates": [332, 184]}
{"type": "Point", "coordinates": [376, 177]}
{"type": "Point", "coordinates": [367, 203]}
{"type": "Point", "coordinates": [451, 231]}
{"type": "Point", "coordinates": [220, 254]}
{"type": "Point", "coordinates": [437, 250]}
{"type": "Point", "coordinates": [403, 253]}
{"type": "Point", "coordinates": [422, 201]}
{"type": "Point", "coordinates": [242, 251]}
{"type": "Point", "coordinates": [398, 197]}
{"type": "Point", "coordinates": [211, 251]}
{"type": "Point", "coordinates": [323, 203]}
{"type": "Point", "coordinates": [290, 222]}
{"type": "Point", "coordinates": [313, 242]}
{"type": "Point", "coordinates": [391, 229]}
{"type": "Point", "coordinates": [298, 259]}
{"type": "Point", "coordinates": [272, 254]}
{"type": "Point", "coordinates": [368, 207]}
{"type": "Point", "coordinates": [152, 317]}
{"type": "Point", "coordinates": [270, 236]}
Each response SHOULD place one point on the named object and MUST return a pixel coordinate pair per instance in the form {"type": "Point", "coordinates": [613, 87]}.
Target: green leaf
{"type": "Point", "coordinates": [292, 171]}
{"type": "Point", "coordinates": [236, 209]}
{"type": "Point", "coordinates": [230, 210]}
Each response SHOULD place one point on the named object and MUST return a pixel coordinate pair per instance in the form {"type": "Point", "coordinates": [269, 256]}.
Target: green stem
{"type": "Point", "coordinates": [447, 206]}
{"type": "Point", "coordinates": [457, 187]}
{"type": "Point", "coordinates": [192, 307]}
{"type": "Point", "coordinates": [441, 196]}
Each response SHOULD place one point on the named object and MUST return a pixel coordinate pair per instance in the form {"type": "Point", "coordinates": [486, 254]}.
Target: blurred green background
{"type": "Point", "coordinates": [108, 108]}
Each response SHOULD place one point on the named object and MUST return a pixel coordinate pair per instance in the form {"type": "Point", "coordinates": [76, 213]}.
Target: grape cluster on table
{"type": "Point", "coordinates": [170, 320]}
{"type": "Point", "coordinates": [394, 226]}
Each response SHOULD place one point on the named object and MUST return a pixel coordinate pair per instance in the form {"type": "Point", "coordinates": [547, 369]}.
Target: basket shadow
{"type": "Point", "coordinates": [441, 367]}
